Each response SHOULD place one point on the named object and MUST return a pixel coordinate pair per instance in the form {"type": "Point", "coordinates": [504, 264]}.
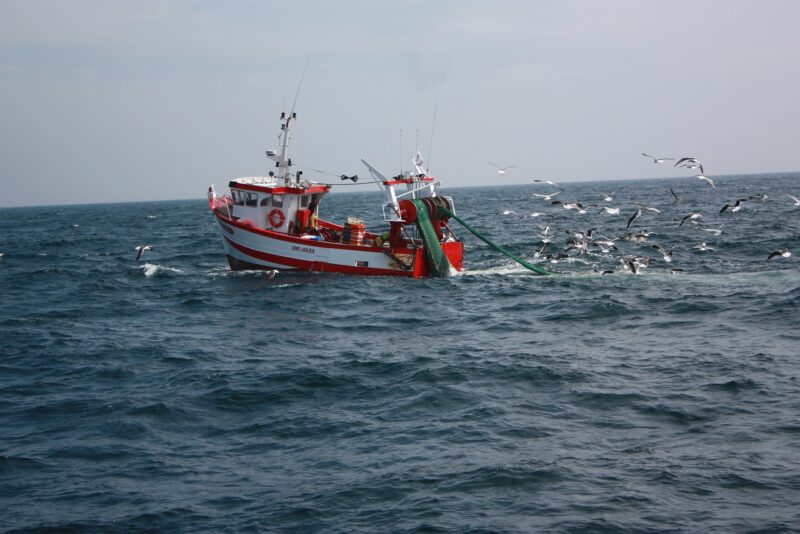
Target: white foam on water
{"type": "Point", "coordinates": [225, 272]}
{"type": "Point", "coordinates": [151, 269]}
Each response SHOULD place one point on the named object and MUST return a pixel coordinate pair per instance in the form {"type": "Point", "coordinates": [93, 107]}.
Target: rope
{"type": "Point", "coordinates": [534, 268]}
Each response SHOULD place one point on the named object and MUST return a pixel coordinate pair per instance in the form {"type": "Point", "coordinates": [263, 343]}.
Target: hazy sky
{"type": "Point", "coordinates": [104, 100]}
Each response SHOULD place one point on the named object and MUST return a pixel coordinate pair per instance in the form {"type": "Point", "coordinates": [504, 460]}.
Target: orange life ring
{"type": "Point", "coordinates": [276, 218]}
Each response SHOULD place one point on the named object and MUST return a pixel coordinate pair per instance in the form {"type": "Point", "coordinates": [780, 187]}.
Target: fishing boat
{"type": "Point", "coordinates": [273, 222]}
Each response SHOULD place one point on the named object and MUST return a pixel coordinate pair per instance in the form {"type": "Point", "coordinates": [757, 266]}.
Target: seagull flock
{"type": "Point", "coordinates": [592, 247]}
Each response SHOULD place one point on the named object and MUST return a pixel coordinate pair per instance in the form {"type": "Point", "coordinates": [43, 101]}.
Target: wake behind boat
{"type": "Point", "coordinates": [272, 222]}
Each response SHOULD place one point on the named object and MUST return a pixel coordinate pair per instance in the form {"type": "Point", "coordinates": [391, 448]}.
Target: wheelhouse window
{"type": "Point", "coordinates": [252, 199]}
{"type": "Point", "coordinates": [265, 201]}
{"type": "Point", "coordinates": [314, 202]}
{"type": "Point", "coordinates": [277, 201]}
{"type": "Point", "coordinates": [238, 197]}
{"type": "Point", "coordinates": [304, 201]}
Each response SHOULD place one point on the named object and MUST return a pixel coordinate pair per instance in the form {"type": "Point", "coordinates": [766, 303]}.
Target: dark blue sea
{"type": "Point", "coordinates": [172, 395]}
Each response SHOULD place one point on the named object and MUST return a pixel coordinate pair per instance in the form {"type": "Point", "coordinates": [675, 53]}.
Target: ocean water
{"type": "Point", "coordinates": [173, 395]}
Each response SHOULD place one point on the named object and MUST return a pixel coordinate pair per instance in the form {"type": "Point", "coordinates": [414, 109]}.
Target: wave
{"type": "Point", "coordinates": [151, 269]}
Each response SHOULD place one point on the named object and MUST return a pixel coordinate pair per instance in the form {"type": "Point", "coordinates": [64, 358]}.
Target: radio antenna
{"type": "Point", "coordinates": [300, 85]}
{"type": "Point", "coordinates": [436, 107]}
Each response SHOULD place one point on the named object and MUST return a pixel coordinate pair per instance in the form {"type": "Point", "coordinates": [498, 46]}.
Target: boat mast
{"type": "Point", "coordinates": [284, 161]}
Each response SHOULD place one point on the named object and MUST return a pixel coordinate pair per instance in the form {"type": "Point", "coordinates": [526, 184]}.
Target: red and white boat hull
{"type": "Point", "coordinates": [248, 247]}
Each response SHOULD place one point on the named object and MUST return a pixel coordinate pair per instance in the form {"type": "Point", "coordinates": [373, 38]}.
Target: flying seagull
{"type": "Point", "coordinates": [780, 253]}
{"type": "Point", "coordinates": [714, 231]}
{"type": "Point", "coordinates": [639, 237]}
{"type": "Point", "coordinates": [675, 196]}
{"type": "Point", "coordinates": [796, 200]}
{"type": "Point", "coordinates": [690, 163]}
{"type": "Point", "coordinates": [501, 170]}
{"type": "Point", "coordinates": [538, 181]}
{"type": "Point", "coordinates": [648, 208]}
{"type": "Point", "coordinates": [702, 247]}
{"type": "Point", "coordinates": [610, 211]}
{"type": "Point", "coordinates": [141, 249]}
{"type": "Point", "coordinates": [707, 179]}
{"type": "Point", "coordinates": [548, 196]}
{"type": "Point", "coordinates": [634, 217]}
{"type": "Point", "coordinates": [541, 252]}
{"type": "Point", "coordinates": [608, 197]}
{"type": "Point", "coordinates": [656, 160]}
{"type": "Point", "coordinates": [579, 207]}
{"type": "Point", "coordinates": [666, 253]}
{"type": "Point", "coordinates": [736, 206]}
{"type": "Point", "coordinates": [692, 216]}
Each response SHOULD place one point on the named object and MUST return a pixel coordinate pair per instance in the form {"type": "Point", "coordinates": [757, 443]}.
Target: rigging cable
{"type": "Point", "coordinates": [436, 107]}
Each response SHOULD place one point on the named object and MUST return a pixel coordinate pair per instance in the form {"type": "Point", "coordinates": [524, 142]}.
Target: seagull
{"type": "Point", "coordinates": [634, 264]}
{"type": "Point", "coordinates": [673, 270]}
{"type": "Point", "coordinates": [554, 259]}
{"type": "Point", "coordinates": [141, 249]}
{"type": "Point", "coordinates": [604, 247]}
{"type": "Point", "coordinates": [577, 234]}
{"type": "Point", "coordinates": [546, 182]}
{"type": "Point", "coordinates": [634, 217]}
{"type": "Point", "coordinates": [541, 252]}
{"type": "Point", "coordinates": [707, 179]}
{"type": "Point", "coordinates": [501, 170]}
{"type": "Point", "coordinates": [604, 242]}
{"type": "Point", "coordinates": [780, 253]}
{"type": "Point", "coordinates": [693, 166]}
{"type": "Point", "coordinates": [579, 207]}
{"type": "Point", "coordinates": [509, 212]}
{"type": "Point", "coordinates": [536, 214]}
{"type": "Point", "coordinates": [545, 235]}
{"type": "Point", "coordinates": [714, 231]}
{"type": "Point", "coordinates": [761, 196]}
{"type": "Point", "coordinates": [692, 216]}
{"type": "Point", "coordinates": [610, 211]}
{"type": "Point", "coordinates": [675, 196]}
{"type": "Point", "coordinates": [271, 274]}
{"type": "Point", "coordinates": [702, 247]}
{"type": "Point", "coordinates": [667, 254]}
{"type": "Point", "coordinates": [656, 160]}
{"type": "Point", "coordinates": [576, 244]}
{"type": "Point", "coordinates": [689, 163]}
{"type": "Point", "coordinates": [548, 196]}
{"type": "Point", "coordinates": [796, 200]}
{"type": "Point", "coordinates": [640, 237]}
{"type": "Point", "coordinates": [648, 208]}
{"type": "Point", "coordinates": [608, 197]}
{"type": "Point", "coordinates": [736, 207]}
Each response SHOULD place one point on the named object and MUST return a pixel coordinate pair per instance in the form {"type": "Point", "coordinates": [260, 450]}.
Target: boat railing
{"type": "Point", "coordinates": [222, 204]}
{"type": "Point", "coordinates": [431, 186]}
